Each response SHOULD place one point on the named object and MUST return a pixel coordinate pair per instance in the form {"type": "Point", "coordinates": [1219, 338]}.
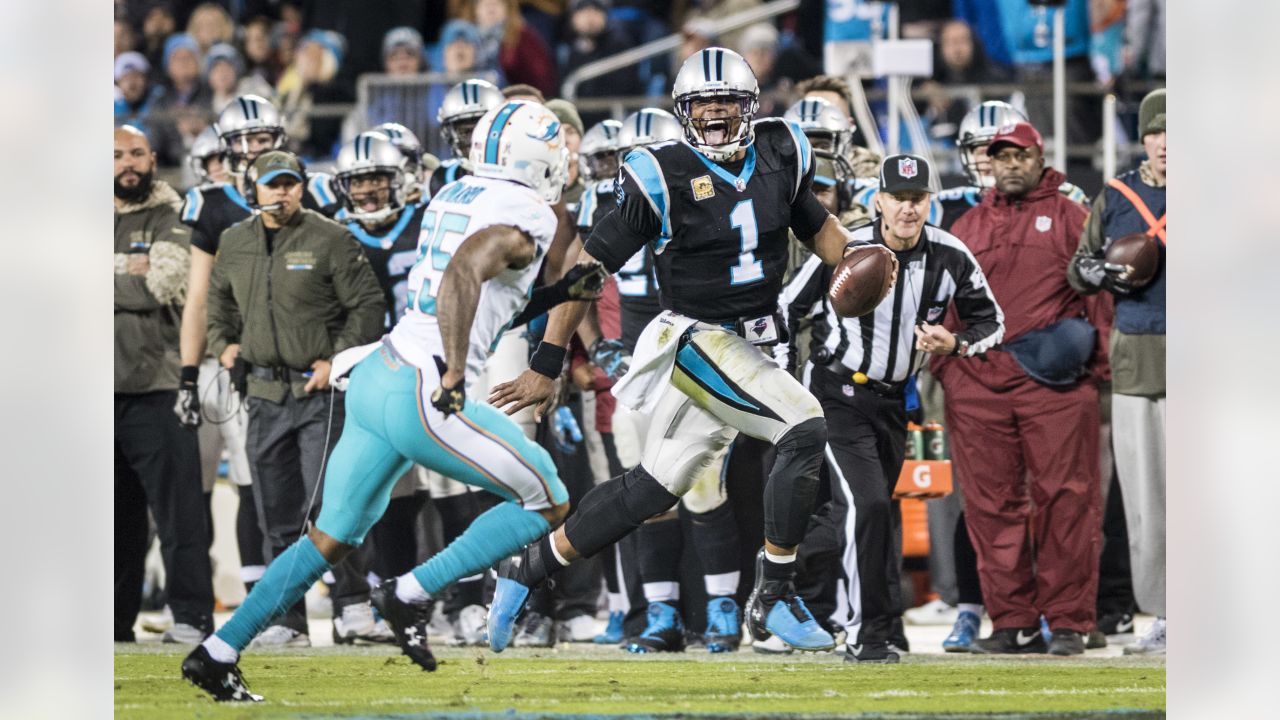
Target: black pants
{"type": "Point", "coordinates": [286, 444]}
{"type": "Point", "coordinates": [157, 466]}
{"type": "Point", "coordinates": [866, 440]}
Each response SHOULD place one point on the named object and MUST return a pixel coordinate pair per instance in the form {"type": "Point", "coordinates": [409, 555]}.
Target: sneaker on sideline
{"type": "Point", "coordinates": [280, 636]}
{"type": "Point", "coordinates": [934, 612]}
{"type": "Point", "coordinates": [1153, 643]}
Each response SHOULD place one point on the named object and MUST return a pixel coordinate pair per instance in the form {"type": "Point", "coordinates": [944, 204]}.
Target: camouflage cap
{"type": "Point", "coordinates": [824, 171]}
{"type": "Point", "coordinates": [271, 165]}
{"type": "Point", "coordinates": [1151, 113]}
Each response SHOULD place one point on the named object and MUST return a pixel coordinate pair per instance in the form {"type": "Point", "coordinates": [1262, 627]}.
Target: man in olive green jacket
{"type": "Point", "coordinates": [157, 463]}
{"type": "Point", "coordinates": [290, 289]}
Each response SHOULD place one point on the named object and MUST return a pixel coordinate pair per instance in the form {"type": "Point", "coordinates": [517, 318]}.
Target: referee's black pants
{"type": "Point", "coordinates": [157, 466]}
{"type": "Point", "coordinates": [866, 439]}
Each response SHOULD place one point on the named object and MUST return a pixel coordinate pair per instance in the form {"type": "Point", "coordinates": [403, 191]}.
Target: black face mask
{"type": "Point", "coordinates": [136, 193]}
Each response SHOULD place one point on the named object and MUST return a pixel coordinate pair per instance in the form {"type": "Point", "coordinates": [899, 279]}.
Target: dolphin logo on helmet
{"type": "Point", "coordinates": [523, 142]}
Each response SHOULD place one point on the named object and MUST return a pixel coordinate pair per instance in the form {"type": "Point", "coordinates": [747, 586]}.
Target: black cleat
{"type": "Point", "coordinates": [407, 621]}
{"type": "Point", "coordinates": [1095, 639]}
{"type": "Point", "coordinates": [1117, 625]}
{"type": "Point", "coordinates": [1012, 641]}
{"type": "Point", "coordinates": [1066, 642]}
{"type": "Point", "coordinates": [877, 651]}
{"type": "Point", "coordinates": [221, 680]}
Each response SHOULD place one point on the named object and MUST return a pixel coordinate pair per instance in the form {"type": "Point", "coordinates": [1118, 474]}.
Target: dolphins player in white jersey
{"type": "Point", "coordinates": [483, 240]}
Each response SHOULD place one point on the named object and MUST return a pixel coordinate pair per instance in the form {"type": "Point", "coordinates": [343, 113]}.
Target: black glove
{"type": "Point", "coordinates": [611, 357]}
{"type": "Point", "coordinates": [239, 376]}
{"type": "Point", "coordinates": [448, 400]}
{"type": "Point", "coordinates": [187, 408]}
{"type": "Point", "coordinates": [584, 280]}
{"type": "Point", "coordinates": [1103, 275]}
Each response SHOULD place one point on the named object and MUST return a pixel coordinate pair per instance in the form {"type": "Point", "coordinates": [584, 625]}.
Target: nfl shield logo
{"type": "Point", "coordinates": [907, 167]}
{"type": "Point", "coordinates": [1043, 223]}
{"type": "Point", "coordinates": [934, 313]}
{"type": "Point", "coordinates": [847, 390]}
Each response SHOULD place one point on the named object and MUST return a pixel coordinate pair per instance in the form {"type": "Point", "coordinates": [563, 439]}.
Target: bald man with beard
{"type": "Point", "coordinates": [157, 464]}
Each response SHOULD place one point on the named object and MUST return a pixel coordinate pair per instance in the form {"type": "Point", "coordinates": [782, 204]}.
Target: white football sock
{"type": "Point", "coordinates": [409, 590]}
{"type": "Point", "coordinates": [662, 592]}
{"type": "Point", "coordinates": [219, 649]}
{"type": "Point", "coordinates": [722, 584]}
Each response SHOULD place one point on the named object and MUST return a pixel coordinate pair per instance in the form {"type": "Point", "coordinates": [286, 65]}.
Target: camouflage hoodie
{"type": "Point", "coordinates": [148, 308]}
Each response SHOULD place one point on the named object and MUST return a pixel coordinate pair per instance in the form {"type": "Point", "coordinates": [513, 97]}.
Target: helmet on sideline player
{"type": "Point", "coordinates": [526, 147]}
{"type": "Point", "coordinates": [241, 124]}
{"type": "Point", "coordinates": [826, 126]}
{"type": "Point", "coordinates": [717, 74]}
{"type": "Point", "coordinates": [598, 152]}
{"type": "Point", "coordinates": [461, 109]}
{"type": "Point", "coordinates": [371, 153]}
{"type": "Point", "coordinates": [411, 147]}
{"type": "Point", "coordinates": [647, 126]}
{"type": "Point", "coordinates": [976, 130]}
{"type": "Point", "coordinates": [205, 147]}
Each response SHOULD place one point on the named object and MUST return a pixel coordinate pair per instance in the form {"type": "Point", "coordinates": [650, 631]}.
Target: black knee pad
{"type": "Point", "coordinates": [613, 509]}
{"type": "Point", "coordinates": [793, 483]}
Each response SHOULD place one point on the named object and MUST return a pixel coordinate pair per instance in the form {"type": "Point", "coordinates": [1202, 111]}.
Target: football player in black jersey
{"type": "Point", "coordinates": [716, 209]}
{"type": "Point", "coordinates": [460, 110]}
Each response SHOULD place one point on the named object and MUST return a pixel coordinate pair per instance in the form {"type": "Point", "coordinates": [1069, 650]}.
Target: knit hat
{"type": "Point", "coordinates": [333, 42]}
{"type": "Point", "coordinates": [402, 37]}
{"type": "Point", "coordinates": [1151, 113]}
{"type": "Point", "coordinates": [459, 30]}
{"type": "Point", "coordinates": [566, 113]}
{"type": "Point", "coordinates": [128, 62]}
{"type": "Point", "coordinates": [222, 52]}
{"type": "Point", "coordinates": [179, 41]}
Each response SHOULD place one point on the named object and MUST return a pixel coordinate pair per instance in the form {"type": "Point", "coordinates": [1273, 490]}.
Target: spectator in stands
{"type": "Point", "coordinates": [125, 38]}
{"type": "Point", "coordinates": [157, 26]}
{"type": "Point", "coordinates": [134, 93]}
{"type": "Point", "coordinates": [758, 45]}
{"type": "Point", "coordinates": [402, 52]}
{"type": "Point", "coordinates": [698, 34]}
{"type": "Point", "coordinates": [210, 24]}
{"type": "Point", "coordinates": [223, 69]}
{"type": "Point", "coordinates": [718, 10]}
{"type": "Point", "coordinates": [460, 48]}
{"type": "Point", "coordinates": [185, 107]}
{"type": "Point", "coordinates": [522, 54]}
{"type": "Point", "coordinates": [308, 81]}
{"type": "Point", "coordinates": [959, 59]}
{"type": "Point", "coordinates": [259, 51]}
{"type": "Point", "coordinates": [591, 38]}
{"type": "Point", "coordinates": [157, 465]}
{"type": "Point", "coordinates": [1021, 35]}
{"type": "Point", "coordinates": [1032, 492]}
{"type": "Point", "coordinates": [1145, 38]}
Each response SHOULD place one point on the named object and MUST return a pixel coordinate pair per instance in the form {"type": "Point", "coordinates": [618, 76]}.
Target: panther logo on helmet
{"type": "Point", "coordinates": [716, 75]}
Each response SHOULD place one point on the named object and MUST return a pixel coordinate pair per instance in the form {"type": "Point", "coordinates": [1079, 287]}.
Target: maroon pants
{"type": "Point", "coordinates": [1027, 461]}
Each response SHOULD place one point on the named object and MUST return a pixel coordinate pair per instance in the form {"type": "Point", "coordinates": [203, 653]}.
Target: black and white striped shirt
{"type": "Point", "coordinates": [939, 270]}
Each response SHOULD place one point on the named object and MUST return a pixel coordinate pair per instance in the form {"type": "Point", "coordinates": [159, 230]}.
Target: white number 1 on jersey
{"type": "Point", "coordinates": [748, 269]}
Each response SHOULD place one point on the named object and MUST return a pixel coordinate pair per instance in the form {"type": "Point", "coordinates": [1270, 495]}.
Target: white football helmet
{"type": "Point", "coordinates": [976, 130]}
{"type": "Point", "coordinates": [598, 152]}
{"type": "Point", "coordinates": [206, 145]}
{"type": "Point", "coordinates": [243, 117]}
{"type": "Point", "coordinates": [647, 126]}
{"type": "Point", "coordinates": [827, 128]}
{"type": "Point", "coordinates": [371, 153]}
{"type": "Point", "coordinates": [717, 74]}
{"type": "Point", "coordinates": [461, 108]}
{"type": "Point", "coordinates": [521, 141]}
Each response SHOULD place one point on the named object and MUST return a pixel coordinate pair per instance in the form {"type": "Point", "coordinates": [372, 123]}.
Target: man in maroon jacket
{"type": "Point", "coordinates": [1024, 424]}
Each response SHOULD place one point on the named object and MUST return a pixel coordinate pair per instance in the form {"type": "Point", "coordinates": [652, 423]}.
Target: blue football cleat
{"type": "Point", "coordinates": [613, 632]}
{"type": "Point", "coordinates": [509, 597]}
{"type": "Point", "coordinates": [774, 608]}
{"type": "Point", "coordinates": [664, 631]}
{"type": "Point", "coordinates": [724, 625]}
{"type": "Point", "coordinates": [963, 633]}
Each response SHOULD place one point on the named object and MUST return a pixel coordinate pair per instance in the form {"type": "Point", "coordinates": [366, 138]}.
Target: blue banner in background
{"type": "Point", "coordinates": [855, 20]}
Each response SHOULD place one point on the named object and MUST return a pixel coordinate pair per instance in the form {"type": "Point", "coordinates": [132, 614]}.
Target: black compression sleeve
{"type": "Point", "coordinates": [614, 242]}
{"type": "Point", "coordinates": [807, 216]}
{"type": "Point", "coordinates": [543, 299]}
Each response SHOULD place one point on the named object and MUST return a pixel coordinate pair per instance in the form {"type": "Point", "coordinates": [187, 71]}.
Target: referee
{"type": "Point", "coordinates": [863, 370]}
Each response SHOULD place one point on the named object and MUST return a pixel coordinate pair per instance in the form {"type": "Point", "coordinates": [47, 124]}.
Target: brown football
{"type": "Point", "coordinates": [861, 280]}
{"type": "Point", "coordinates": [1139, 250]}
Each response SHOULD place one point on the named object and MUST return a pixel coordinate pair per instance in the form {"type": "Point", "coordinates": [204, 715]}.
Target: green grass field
{"type": "Point", "coordinates": [377, 682]}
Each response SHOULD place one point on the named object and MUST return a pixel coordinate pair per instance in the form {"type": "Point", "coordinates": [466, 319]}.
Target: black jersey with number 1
{"type": "Point", "coordinates": [718, 231]}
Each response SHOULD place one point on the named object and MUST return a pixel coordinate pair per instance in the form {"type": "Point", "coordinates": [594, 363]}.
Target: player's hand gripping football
{"type": "Point", "coordinates": [530, 388]}
{"type": "Point", "coordinates": [1104, 275]}
{"type": "Point", "coordinates": [451, 396]}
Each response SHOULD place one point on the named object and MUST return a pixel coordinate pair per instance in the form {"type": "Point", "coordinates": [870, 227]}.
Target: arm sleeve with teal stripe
{"type": "Point", "coordinates": [623, 233]}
